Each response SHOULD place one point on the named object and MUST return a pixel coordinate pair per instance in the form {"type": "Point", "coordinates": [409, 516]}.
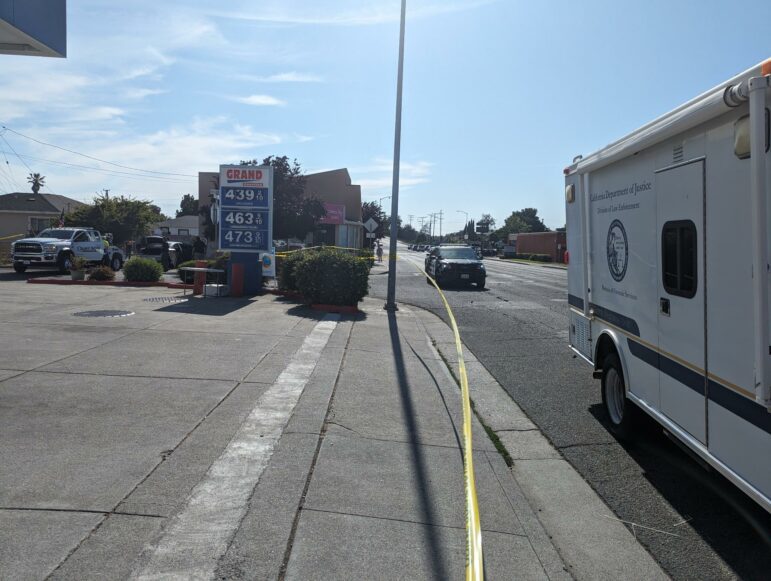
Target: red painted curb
{"type": "Point", "coordinates": [66, 282]}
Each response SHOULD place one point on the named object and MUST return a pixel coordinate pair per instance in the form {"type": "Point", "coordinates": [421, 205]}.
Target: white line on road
{"type": "Point", "coordinates": [198, 535]}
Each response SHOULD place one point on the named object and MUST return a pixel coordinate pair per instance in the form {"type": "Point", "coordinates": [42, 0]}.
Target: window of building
{"type": "Point", "coordinates": [183, 232]}
{"type": "Point", "coordinates": [39, 224]}
{"type": "Point", "coordinates": [679, 258]}
{"type": "Point", "coordinates": [164, 230]}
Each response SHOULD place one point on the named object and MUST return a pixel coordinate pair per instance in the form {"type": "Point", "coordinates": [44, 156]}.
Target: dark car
{"type": "Point", "coordinates": [455, 264]}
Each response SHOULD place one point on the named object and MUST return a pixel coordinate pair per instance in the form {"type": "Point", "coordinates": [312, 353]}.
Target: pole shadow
{"type": "Point", "coordinates": [436, 555]}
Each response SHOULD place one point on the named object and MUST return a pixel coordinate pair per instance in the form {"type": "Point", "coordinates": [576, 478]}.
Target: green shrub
{"type": "Point", "coordinates": [331, 277]}
{"type": "Point", "coordinates": [142, 270]}
{"type": "Point", "coordinates": [78, 263]}
{"type": "Point", "coordinates": [101, 273]}
{"type": "Point", "coordinates": [540, 257]}
{"type": "Point", "coordinates": [285, 269]}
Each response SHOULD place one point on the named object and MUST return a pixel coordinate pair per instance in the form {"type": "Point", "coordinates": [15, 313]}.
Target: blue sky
{"type": "Point", "coordinates": [499, 95]}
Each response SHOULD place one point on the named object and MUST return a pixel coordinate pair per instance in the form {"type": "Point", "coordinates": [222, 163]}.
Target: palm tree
{"type": "Point", "coordinates": [37, 181]}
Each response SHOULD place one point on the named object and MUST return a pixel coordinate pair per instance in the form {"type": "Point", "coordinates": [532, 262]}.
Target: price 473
{"type": "Point", "coordinates": [243, 237]}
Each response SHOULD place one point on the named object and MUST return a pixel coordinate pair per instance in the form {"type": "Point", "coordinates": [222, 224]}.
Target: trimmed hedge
{"type": "Point", "coordinates": [142, 270]}
{"type": "Point", "coordinates": [329, 277]}
{"type": "Point", "coordinates": [533, 257]}
{"type": "Point", "coordinates": [285, 269]}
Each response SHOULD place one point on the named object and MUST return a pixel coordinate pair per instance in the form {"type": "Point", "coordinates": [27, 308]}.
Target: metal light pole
{"type": "Point", "coordinates": [380, 203]}
{"type": "Point", "coordinates": [391, 297]}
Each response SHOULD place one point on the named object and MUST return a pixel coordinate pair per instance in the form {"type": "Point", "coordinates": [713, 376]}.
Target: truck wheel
{"type": "Point", "coordinates": [64, 262]}
{"type": "Point", "coordinates": [116, 263]}
{"type": "Point", "coordinates": [19, 268]}
{"type": "Point", "coordinates": [621, 411]}
{"type": "Point", "coordinates": [481, 283]}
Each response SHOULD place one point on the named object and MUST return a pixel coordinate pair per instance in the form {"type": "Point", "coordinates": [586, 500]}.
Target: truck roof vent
{"type": "Point", "coordinates": [677, 153]}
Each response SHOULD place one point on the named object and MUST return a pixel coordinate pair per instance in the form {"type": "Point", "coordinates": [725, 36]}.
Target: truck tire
{"type": "Point", "coordinates": [63, 262]}
{"type": "Point", "coordinates": [481, 283]}
{"type": "Point", "coordinates": [621, 411]}
{"type": "Point", "coordinates": [20, 268]}
{"type": "Point", "coordinates": [116, 263]}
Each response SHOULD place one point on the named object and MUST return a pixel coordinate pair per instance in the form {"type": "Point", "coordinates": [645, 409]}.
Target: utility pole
{"type": "Point", "coordinates": [441, 212]}
{"type": "Point", "coordinates": [391, 297]}
{"type": "Point", "coordinates": [410, 217]}
{"type": "Point", "coordinates": [106, 194]}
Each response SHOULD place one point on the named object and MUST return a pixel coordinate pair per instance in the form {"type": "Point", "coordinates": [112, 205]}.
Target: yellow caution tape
{"type": "Point", "coordinates": [474, 558]}
{"type": "Point", "coordinates": [11, 236]}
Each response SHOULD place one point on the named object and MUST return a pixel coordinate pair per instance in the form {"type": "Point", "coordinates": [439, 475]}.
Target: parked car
{"type": "Point", "coordinates": [183, 251]}
{"type": "Point", "coordinates": [455, 263]}
{"type": "Point", "coordinates": [152, 247]}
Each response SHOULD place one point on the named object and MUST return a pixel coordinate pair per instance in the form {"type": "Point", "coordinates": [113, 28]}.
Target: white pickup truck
{"type": "Point", "coordinates": [57, 246]}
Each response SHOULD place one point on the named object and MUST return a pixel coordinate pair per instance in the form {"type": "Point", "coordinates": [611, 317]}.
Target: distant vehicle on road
{"type": "Point", "coordinates": [55, 247]}
{"type": "Point", "coordinates": [674, 321]}
{"type": "Point", "coordinates": [455, 263]}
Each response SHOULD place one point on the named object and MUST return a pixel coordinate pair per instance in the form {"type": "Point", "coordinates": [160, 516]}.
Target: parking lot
{"type": "Point", "coordinates": [91, 406]}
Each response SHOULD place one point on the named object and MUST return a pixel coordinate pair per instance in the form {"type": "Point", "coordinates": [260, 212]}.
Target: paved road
{"type": "Point", "coordinates": [696, 524]}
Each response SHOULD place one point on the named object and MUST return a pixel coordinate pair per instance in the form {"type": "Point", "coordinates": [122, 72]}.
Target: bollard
{"type": "Point", "coordinates": [237, 280]}
{"type": "Point", "coordinates": [199, 278]}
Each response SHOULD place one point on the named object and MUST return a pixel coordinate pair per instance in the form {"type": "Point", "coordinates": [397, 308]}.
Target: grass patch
{"type": "Point", "coordinates": [488, 430]}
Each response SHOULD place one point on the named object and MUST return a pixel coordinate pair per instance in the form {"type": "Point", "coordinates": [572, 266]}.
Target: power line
{"type": "Point", "coordinates": [113, 172]}
{"type": "Point", "coordinates": [95, 158]}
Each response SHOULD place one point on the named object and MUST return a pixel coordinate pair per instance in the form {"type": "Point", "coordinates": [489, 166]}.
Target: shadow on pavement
{"type": "Point", "coordinates": [704, 495]}
{"type": "Point", "coordinates": [8, 274]}
{"type": "Point", "coordinates": [212, 306]}
{"type": "Point", "coordinates": [436, 556]}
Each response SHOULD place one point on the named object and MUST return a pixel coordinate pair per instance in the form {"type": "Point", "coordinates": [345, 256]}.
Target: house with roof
{"type": "Point", "coordinates": [183, 228]}
{"type": "Point", "coordinates": [24, 214]}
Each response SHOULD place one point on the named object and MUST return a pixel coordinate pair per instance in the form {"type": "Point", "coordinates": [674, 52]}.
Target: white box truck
{"type": "Point", "coordinates": [668, 276]}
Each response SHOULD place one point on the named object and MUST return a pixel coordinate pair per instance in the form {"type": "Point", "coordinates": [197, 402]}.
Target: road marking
{"type": "Point", "coordinates": [197, 536]}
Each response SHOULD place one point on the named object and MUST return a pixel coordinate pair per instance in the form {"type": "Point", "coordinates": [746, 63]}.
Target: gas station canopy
{"type": "Point", "coordinates": [33, 27]}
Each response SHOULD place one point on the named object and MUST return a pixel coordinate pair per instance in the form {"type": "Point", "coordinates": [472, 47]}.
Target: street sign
{"type": "Point", "coordinates": [482, 228]}
{"type": "Point", "coordinates": [246, 208]}
{"type": "Point", "coordinates": [371, 225]}
{"type": "Point", "coordinates": [370, 234]}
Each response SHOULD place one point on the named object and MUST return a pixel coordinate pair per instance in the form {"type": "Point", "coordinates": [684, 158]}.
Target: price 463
{"type": "Point", "coordinates": [244, 218]}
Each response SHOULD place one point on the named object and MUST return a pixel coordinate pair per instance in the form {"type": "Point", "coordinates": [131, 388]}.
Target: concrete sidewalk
{"type": "Point", "coordinates": [257, 439]}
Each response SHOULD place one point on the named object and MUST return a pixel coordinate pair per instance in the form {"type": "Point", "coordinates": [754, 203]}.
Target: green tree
{"type": "Point", "coordinates": [37, 181]}
{"type": "Point", "coordinates": [125, 217]}
{"type": "Point", "coordinates": [530, 217]}
{"type": "Point", "coordinates": [375, 211]}
{"type": "Point", "coordinates": [295, 212]}
{"type": "Point", "coordinates": [188, 206]}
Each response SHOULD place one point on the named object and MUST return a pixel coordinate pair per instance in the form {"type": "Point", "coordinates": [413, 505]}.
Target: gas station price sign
{"type": "Point", "coordinates": [246, 208]}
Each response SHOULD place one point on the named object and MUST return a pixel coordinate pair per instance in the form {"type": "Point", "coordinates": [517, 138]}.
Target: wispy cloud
{"type": "Point", "coordinates": [260, 101]}
{"type": "Point", "coordinates": [290, 77]}
{"type": "Point", "coordinates": [377, 177]}
{"type": "Point", "coordinates": [140, 93]}
{"type": "Point", "coordinates": [330, 14]}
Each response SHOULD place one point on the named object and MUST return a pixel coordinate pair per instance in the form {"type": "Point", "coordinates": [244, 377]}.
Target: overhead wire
{"type": "Point", "coordinates": [107, 171]}
{"type": "Point", "coordinates": [6, 128]}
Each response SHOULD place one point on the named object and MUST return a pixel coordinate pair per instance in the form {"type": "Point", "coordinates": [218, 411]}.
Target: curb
{"type": "Point", "coordinates": [343, 309]}
{"type": "Point", "coordinates": [568, 508]}
{"type": "Point", "coordinates": [64, 282]}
